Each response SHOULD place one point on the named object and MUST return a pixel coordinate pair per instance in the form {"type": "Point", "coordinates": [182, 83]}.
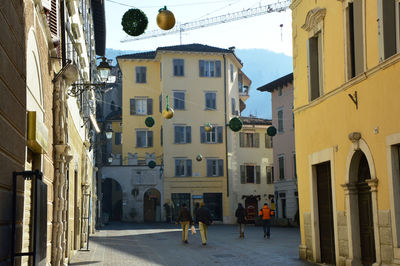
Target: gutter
{"type": "Point", "coordinates": [226, 132]}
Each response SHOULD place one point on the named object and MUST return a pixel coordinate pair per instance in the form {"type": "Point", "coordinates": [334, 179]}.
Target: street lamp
{"type": "Point", "coordinates": [103, 68]}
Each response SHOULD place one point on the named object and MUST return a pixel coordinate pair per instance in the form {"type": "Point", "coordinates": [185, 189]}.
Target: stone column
{"type": "Point", "coordinates": [373, 184]}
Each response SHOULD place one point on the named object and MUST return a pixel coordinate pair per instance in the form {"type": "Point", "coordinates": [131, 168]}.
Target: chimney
{"type": "Point", "coordinates": [232, 48]}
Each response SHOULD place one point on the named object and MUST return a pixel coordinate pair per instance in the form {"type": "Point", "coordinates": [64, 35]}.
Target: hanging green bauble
{"type": "Point", "coordinates": [151, 164]}
{"type": "Point", "coordinates": [165, 19]}
{"type": "Point", "coordinates": [208, 127]}
{"type": "Point", "coordinates": [235, 124]}
{"type": "Point", "coordinates": [134, 22]}
{"type": "Point", "coordinates": [199, 157]}
{"type": "Point", "coordinates": [149, 121]}
{"type": "Point", "coordinates": [271, 131]}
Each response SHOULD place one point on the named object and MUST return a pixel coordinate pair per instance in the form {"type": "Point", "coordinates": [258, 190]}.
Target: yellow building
{"type": "Point", "coordinates": [202, 85]}
{"type": "Point", "coordinates": [346, 67]}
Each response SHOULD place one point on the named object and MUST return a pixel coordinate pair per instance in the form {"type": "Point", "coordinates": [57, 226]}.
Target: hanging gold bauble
{"type": "Point", "coordinates": [208, 127]}
{"type": "Point", "coordinates": [165, 19]}
{"type": "Point", "coordinates": [168, 113]}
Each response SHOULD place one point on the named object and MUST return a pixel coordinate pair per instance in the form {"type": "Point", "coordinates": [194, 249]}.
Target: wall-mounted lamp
{"type": "Point", "coordinates": [109, 133]}
{"type": "Point", "coordinates": [103, 68]}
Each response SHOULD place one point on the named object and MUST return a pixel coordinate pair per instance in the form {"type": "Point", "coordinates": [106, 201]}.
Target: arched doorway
{"type": "Point", "coordinates": [151, 205]}
{"type": "Point", "coordinates": [112, 199]}
{"type": "Point", "coordinates": [251, 206]}
{"type": "Point", "coordinates": [365, 214]}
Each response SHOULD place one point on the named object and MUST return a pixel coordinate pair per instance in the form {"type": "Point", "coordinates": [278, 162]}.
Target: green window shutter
{"type": "Point", "coordinates": [220, 134]}
{"type": "Point", "coordinates": [242, 174]}
{"type": "Point", "coordinates": [188, 134]}
{"type": "Point", "coordinates": [220, 167]}
{"type": "Point", "coordinates": [202, 135]}
{"type": "Point", "coordinates": [149, 106]}
{"type": "Point", "coordinates": [218, 68]}
{"type": "Point", "coordinates": [258, 178]}
{"type": "Point", "coordinates": [257, 140]}
{"type": "Point", "coordinates": [201, 68]}
{"type": "Point", "coordinates": [133, 107]}
{"type": "Point", "coordinates": [149, 138]}
{"type": "Point", "coordinates": [188, 167]}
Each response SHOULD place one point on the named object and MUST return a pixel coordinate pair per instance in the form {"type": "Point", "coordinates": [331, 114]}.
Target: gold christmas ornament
{"type": "Point", "coordinates": [208, 127]}
{"type": "Point", "coordinates": [168, 112]}
{"type": "Point", "coordinates": [199, 158]}
{"type": "Point", "coordinates": [165, 19]}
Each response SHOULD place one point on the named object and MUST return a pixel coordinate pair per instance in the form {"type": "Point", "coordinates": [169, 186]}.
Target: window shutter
{"type": "Point", "coordinates": [149, 106]}
{"type": "Point", "coordinates": [218, 68]}
{"type": "Point", "coordinates": [241, 137]}
{"type": "Point", "coordinates": [214, 102]}
{"type": "Point", "coordinates": [242, 174]}
{"type": "Point", "coordinates": [209, 168]}
{"type": "Point", "coordinates": [143, 79]}
{"type": "Point", "coordinates": [219, 135]}
{"type": "Point", "coordinates": [201, 67]}
{"type": "Point", "coordinates": [137, 72]}
{"type": "Point", "coordinates": [188, 167]}
{"type": "Point", "coordinates": [176, 134]}
{"type": "Point", "coordinates": [258, 181]}
{"type": "Point", "coordinates": [53, 17]}
{"type": "Point", "coordinates": [149, 138]}
{"type": "Point", "coordinates": [202, 135]}
{"type": "Point", "coordinates": [188, 134]}
{"type": "Point", "coordinates": [161, 136]}
{"type": "Point", "coordinates": [257, 140]}
{"type": "Point", "coordinates": [133, 107]}
{"type": "Point", "coordinates": [160, 102]}
{"type": "Point", "coordinates": [220, 167]}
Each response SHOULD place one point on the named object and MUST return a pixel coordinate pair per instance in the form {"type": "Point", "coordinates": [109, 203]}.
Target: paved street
{"type": "Point", "coordinates": [160, 244]}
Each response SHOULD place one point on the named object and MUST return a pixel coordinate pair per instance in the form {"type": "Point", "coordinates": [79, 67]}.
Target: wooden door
{"type": "Point", "coordinates": [367, 239]}
{"type": "Point", "coordinates": [325, 213]}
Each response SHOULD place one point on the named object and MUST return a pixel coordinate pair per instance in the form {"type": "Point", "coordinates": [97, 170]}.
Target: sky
{"type": "Point", "coordinates": [262, 32]}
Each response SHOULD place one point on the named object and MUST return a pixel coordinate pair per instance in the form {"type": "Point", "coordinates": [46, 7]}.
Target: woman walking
{"type": "Point", "coordinates": [241, 219]}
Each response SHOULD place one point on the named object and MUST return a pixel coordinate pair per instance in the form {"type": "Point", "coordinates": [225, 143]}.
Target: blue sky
{"type": "Point", "coordinates": [263, 32]}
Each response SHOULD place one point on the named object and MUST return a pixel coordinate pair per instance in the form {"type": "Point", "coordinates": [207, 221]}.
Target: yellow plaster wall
{"type": "Point", "coordinates": [117, 128]}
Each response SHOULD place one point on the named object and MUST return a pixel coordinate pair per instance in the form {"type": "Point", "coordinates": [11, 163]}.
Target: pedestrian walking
{"type": "Point", "coordinates": [241, 219]}
{"type": "Point", "coordinates": [266, 214]}
{"type": "Point", "coordinates": [186, 221]}
{"type": "Point", "coordinates": [204, 217]}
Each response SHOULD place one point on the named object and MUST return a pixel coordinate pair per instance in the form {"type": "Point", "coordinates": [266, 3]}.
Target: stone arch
{"type": "Point", "coordinates": [112, 199]}
{"type": "Point", "coordinates": [358, 150]}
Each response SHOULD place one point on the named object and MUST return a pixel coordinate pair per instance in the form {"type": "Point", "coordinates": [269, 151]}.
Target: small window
{"type": "Point", "coordinates": [210, 68]}
{"type": "Point", "coordinates": [314, 49]}
{"type": "Point", "coordinates": [249, 174]}
{"type": "Point", "coordinates": [214, 136]}
{"type": "Point", "coordinates": [249, 140]}
{"type": "Point", "coordinates": [269, 171]}
{"type": "Point", "coordinates": [140, 74]}
{"type": "Point", "coordinates": [280, 121]}
{"type": "Point", "coordinates": [183, 134]}
{"type": "Point", "coordinates": [233, 106]}
{"type": "Point", "coordinates": [144, 138]}
{"type": "Point", "coordinates": [211, 100]}
{"type": "Point", "coordinates": [281, 161]}
{"type": "Point", "coordinates": [215, 167]}
{"type": "Point", "coordinates": [389, 31]}
{"type": "Point", "coordinates": [179, 100]}
{"type": "Point", "coordinates": [140, 106]}
{"type": "Point", "coordinates": [178, 65]}
{"type": "Point", "coordinates": [280, 91]}
{"type": "Point", "coordinates": [183, 167]}
{"type": "Point", "coordinates": [355, 35]}
{"type": "Point", "coordinates": [231, 72]}
{"type": "Point", "coordinates": [268, 141]}
{"type": "Point", "coordinates": [118, 138]}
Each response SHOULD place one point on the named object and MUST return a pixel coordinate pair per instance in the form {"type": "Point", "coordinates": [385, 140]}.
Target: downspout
{"type": "Point", "coordinates": [226, 132]}
{"type": "Point", "coordinates": [63, 42]}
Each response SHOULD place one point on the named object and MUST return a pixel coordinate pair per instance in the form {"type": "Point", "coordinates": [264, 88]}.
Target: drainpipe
{"type": "Point", "coordinates": [63, 42]}
{"type": "Point", "coordinates": [226, 132]}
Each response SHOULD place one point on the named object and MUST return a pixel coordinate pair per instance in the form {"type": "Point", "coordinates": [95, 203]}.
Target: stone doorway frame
{"type": "Point", "coordinates": [359, 147]}
{"type": "Point", "coordinates": [315, 158]}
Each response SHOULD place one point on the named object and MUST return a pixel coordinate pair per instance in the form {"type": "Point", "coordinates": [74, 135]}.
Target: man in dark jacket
{"type": "Point", "coordinates": [241, 218]}
{"type": "Point", "coordinates": [204, 217]}
{"type": "Point", "coordinates": [186, 220]}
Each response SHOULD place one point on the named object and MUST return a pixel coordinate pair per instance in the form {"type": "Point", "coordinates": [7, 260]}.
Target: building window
{"type": "Point", "coordinates": [270, 174]}
{"type": "Point", "coordinates": [250, 174]}
{"type": "Point", "coordinates": [314, 49]}
{"type": "Point", "coordinates": [294, 165]}
{"type": "Point", "coordinates": [395, 179]}
{"type": "Point", "coordinates": [140, 74]}
{"type": "Point", "coordinates": [215, 167]}
{"type": "Point", "coordinates": [355, 38]}
{"type": "Point", "coordinates": [210, 68]}
{"type": "Point", "coordinates": [183, 167]}
{"type": "Point", "coordinates": [280, 91]}
{"type": "Point", "coordinates": [214, 136]}
{"type": "Point", "coordinates": [268, 141]}
{"type": "Point", "coordinates": [183, 134]}
{"type": "Point", "coordinates": [281, 161]}
{"type": "Point", "coordinates": [118, 138]}
{"type": "Point", "coordinates": [179, 100]}
{"type": "Point", "coordinates": [211, 100]}
{"type": "Point", "coordinates": [282, 197]}
{"type": "Point", "coordinates": [144, 138]}
{"type": "Point", "coordinates": [389, 31]}
{"type": "Point", "coordinates": [231, 72]}
{"type": "Point", "coordinates": [178, 67]}
{"type": "Point", "coordinates": [280, 121]}
{"type": "Point", "coordinates": [233, 106]}
{"type": "Point", "coordinates": [249, 140]}
{"type": "Point", "coordinates": [141, 106]}
{"type": "Point", "coordinates": [160, 103]}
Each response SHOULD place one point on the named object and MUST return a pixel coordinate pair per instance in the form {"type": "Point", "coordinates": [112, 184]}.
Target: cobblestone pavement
{"type": "Point", "coordinates": [160, 244]}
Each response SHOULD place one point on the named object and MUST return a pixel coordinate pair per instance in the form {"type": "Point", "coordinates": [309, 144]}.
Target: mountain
{"type": "Point", "coordinates": [261, 66]}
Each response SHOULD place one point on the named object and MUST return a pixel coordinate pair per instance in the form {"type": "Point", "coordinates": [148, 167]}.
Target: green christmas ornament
{"type": "Point", "coordinates": [149, 121]}
{"type": "Point", "coordinates": [199, 157]}
{"type": "Point", "coordinates": [271, 131]}
{"type": "Point", "coordinates": [134, 22]}
{"type": "Point", "coordinates": [151, 164]}
{"type": "Point", "coordinates": [235, 124]}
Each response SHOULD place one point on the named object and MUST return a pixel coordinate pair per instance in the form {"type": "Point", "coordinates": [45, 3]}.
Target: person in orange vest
{"type": "Point", "coordinates": [266, 214]}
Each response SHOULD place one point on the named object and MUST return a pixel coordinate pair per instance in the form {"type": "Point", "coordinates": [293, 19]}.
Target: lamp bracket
{"type": "Point", "coordinates": [77, 89]}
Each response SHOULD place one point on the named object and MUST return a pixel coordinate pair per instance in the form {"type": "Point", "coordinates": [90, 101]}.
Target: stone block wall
{"type": "Point", "coordinates": [386, 237]}
{"type": "Point", "coordinates": [342, 237]}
